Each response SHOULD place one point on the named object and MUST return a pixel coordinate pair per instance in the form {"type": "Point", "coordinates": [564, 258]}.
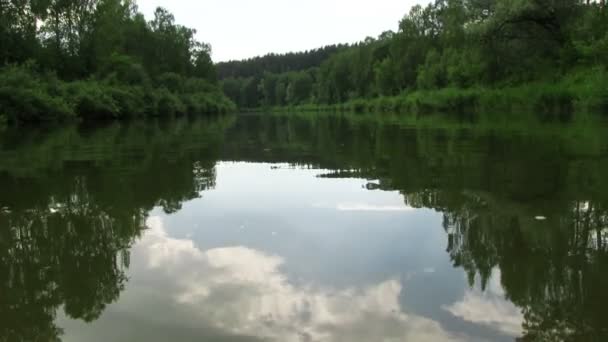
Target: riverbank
{"type": "Point", "coordinates": [585, 91]}
{"type": "Point", "coordinates": [29, 96]}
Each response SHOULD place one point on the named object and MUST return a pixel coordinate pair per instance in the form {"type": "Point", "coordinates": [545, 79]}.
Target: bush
{"type": "Point", "coordinates": [24, 97]}
{"type": "Point", "coordinates": [33, 105]}
{"type": "Point", "coordinates": [554, 101]}
{"type": "Point", "coordinates": [168, 104]}
{"type": "Point", "coordinates": [359, 106]}
{"type": "Point", "coordinates": [590, 88]}
{"type": "Point", "coordinates": [27, 96]}
{"type": "Point", "coordinates": [130, 100]}
{"type": "Point", "coordinates": [93, 100]}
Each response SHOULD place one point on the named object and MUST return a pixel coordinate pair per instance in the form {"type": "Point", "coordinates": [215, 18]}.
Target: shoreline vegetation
{"type": "Point", "coordinates": [556, 100]}
{"type": "Point", "coordinates": [28, 96]}
{"type": "Point", "coordinates": [62, 60]}
{"type": "Point", "coordinates": [545, 56]}
{"type": "Point", "coordinates": [100, 59]}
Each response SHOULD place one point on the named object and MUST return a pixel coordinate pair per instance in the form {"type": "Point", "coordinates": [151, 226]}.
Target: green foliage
{"type": "Point", "coordinates": [590, 88]}
{"type": "Point", "coordinates": [168, 103]}
{"type": "Point", "coordinates": [109, 62]}
{"type": "Point", "coordinates": [124, 70]}
{"type": "Point", "coordinates": [277, 63]}
{"type": "Point", "coordinates": [386, 83]}
{"type": "Point", "coordinates": [26, 96]}
{"type": "Point", "coordinates": [131, 101]}
{"type": "Point", "coordinates": [582, 91]}
{"type": "Point", "coordinates": [545, 55]}
{"type": "Point", "coordinates": [431, 75]}
{"type": "Point", "coordinates": [299, 89]}
{"type": "Point", "coordinates": [92, 100]}
{"type": "Point", "coordinates": [171, 81]}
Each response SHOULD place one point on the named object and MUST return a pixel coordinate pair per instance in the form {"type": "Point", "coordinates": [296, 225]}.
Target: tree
{"type": "Point", "coordinates": [299, 89]}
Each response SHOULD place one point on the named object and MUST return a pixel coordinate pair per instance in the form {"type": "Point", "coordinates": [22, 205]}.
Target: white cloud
{"type": "Point", "coordinates": [243, 292]}
{"type": "Point", "coordinates": [363, 207]}
{"type": "Point", "coordinates": [489, 308]}
{"type": "Point", "coordinates": [371, 207]}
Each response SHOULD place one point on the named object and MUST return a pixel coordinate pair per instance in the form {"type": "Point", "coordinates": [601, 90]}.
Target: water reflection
{"type": "Point", "coordinates": [488, 307]}
{"type": "Point", "coordinates": [244, 292]}
{"type": "Point", "coordinates": [338, 231]}
{"type": "Point", "coordinates": [73, 203]}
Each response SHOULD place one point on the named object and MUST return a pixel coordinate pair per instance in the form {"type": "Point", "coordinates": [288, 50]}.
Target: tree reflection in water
{"type": "Point", "coordinates": [75, 200]}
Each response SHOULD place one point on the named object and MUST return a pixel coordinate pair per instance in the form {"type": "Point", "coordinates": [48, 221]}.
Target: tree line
{"type": "Point", "coordinates": [100, 58]}
{"type": "Point", "coordinates": [277, 63]}
{"type": "Point", "coordinates": [549, 52]}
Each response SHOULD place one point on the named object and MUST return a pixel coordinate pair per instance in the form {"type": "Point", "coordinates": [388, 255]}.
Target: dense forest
{"type": "Point", "coordinates": [277, 63]}
{"type": "Point", "coordinates": [100, 59]}
{"type": "Point", "coordinates": [450, 55]}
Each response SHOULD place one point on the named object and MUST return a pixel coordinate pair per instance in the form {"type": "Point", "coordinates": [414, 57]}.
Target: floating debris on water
{"type": "Point", "coordinates": [541, 218]}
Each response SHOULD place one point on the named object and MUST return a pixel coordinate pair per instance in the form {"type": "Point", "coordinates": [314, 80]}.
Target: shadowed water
{"type": "Point", "coordinates": [305, 228]}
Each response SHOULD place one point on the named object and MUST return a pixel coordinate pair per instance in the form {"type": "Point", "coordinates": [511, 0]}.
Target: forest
{"type": "Point", "coordinates": [452, 55]}
{"type": "Point", "coordinates": [101, 59]}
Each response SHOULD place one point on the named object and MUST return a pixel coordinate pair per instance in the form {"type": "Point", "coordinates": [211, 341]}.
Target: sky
{"type": "Point", "coordinates": [239, 29]}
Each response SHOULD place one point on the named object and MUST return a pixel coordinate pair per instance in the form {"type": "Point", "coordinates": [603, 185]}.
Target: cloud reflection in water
{"type": "Point", "coordinates": [243, 292]}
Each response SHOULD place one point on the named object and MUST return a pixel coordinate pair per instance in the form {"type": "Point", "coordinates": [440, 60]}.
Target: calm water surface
{"type": "Point", "coordinates": [305, 228]}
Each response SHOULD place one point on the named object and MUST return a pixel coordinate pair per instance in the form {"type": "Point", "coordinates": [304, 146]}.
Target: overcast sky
{"type": "Point", "coordinates": [239, 29]}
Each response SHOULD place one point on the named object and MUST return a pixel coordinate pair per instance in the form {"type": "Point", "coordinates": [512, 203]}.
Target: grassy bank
{"type": "Point", "coordinates": [584, 91]}
{"type": "Point", "coordinates": [29, 96]}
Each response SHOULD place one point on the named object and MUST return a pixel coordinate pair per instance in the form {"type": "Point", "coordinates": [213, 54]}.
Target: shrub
{"type": "Point", "coordinates": [168, 104]}
{"type": "Point", "coordinates": [358, 106]}
{"type": "Point", "coordinates": [554, 101]}
{"type": "Point", "coordinates": [24, 97]}
{"type": "Point", "coordinates": [590, 88]}
{"type": "Point", "coordinates": [130, 100]}
{"type": "Point", "coordinates": [92, 99]}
